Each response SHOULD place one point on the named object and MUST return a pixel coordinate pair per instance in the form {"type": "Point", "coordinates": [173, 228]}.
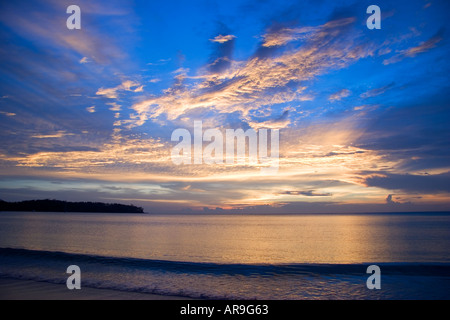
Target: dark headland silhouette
{"type": "Point", "coordinates": [65, 206]}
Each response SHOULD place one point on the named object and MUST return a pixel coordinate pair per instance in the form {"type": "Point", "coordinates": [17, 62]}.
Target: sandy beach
{"type": "Point", "coordinates": [13, 289]}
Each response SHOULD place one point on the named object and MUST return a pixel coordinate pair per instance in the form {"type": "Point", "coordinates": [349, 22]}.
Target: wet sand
{"type": "Point", "coordinates": [14, 289]}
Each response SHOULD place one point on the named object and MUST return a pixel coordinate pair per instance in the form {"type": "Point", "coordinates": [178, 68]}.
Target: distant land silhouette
{"type": "Point", "coordinates": [65, 206]}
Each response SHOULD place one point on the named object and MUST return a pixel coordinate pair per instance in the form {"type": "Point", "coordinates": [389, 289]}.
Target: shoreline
{"type": "Point", "coordinates": [19, 289]}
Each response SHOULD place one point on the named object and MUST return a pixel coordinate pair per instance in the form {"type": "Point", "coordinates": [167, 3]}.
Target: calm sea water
{"type": "Point", "coordinates": [230, 256]}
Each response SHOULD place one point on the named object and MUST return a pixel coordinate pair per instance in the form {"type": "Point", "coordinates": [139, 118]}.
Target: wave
{"type": "Point", "coordinates": [207, 280]}
{"type": "Point", "coordinates": [311, 269]}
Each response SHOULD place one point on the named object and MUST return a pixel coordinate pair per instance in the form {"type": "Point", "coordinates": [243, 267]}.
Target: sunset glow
{"type": "Point", "coordinates": [363, 115]}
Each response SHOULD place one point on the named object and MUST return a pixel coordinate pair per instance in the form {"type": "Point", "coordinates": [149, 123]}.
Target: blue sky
{"type": "Point", "coordinates": [363, 114]}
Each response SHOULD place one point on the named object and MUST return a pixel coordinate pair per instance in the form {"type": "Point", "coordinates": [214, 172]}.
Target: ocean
{"type": "Point", "coordinates": [280, 257]}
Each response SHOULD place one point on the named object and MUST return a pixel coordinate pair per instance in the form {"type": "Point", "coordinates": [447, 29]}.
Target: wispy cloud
{"type": "Point", "coordinates": [114, 106]}
{"type": "Point", "coordinates": [339, 95]}
{"type": "Point", "coordinates": [223, 38]}
{"type": "Point", "coordinates": [425, 183]}
{"type": "Point", "coordinates": [308, 193]}
{"type": "Point", "coordinates": [413, 51]}
{"type": "Point", "coordinates": [277, 123]}
{"type": "Point", "coordinates": [58, 134]}
{"type": "Point", "coordinates": [47, 25]}
{"type": "Point", "coordinates": [126, 85]}
{"type": "Point", "coordinates": [160, 62]}
{"type": "Point", "coordinates": [84, 60]}
{"type": "Point", "coordinates": [134, 152]}
{"type": "Point", "coordinates": [8, 114]}
{"type": "Point", "coordinates": [286, 35]}
{"type": "Point", "coordinates": [259, 81]}
{"type": "Point", "coordinates": [377, 91]}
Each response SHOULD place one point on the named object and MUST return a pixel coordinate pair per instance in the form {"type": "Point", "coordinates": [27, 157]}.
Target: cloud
{"type": "Point", "coordinates": [285, 35]}
{"type": "Point", "coordinates": [58, 134]}
{"type": "Point", "coordinates": [160, 62]}
{"type": "Point", "coordinates": [427, 184]}
{"type": "Point", "coordinates": [114, 106]}
{"type": "Point", "coordinates": [221, 57]}
{"type": "Point", "coordinates": [50, 78]}
{"type": "Point", "coordinates": [8, 114]}
{"type": "Point", "coordinates": [257, 82]}
{"type": "Point", "coordinates": [389, 199]}
{"type": "Point", "coordinates": [339, 95]}
{"type": "Point", "coordinates": [412, 135]}
{"type": "Point", "coordinates": [133, 152]}
{"type": "Point", "coordinates": [308, 193]}
{"type": "Point", "coordinates": [113, 93]}
{"type": "Point", "coordinates": [222, 39]}
{"type": "Point", "coordinates": [413, 51]}
{"type": "Point", "coordinates": [47, 25]}
{"type": "Point", "coordinates": [377, 91]}
{"type": "Point", "coordinates": [91, 109]}
{"type": "Point", "coordinates": [277, 123]}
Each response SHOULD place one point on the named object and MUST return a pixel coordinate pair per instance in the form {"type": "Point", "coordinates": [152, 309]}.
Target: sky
{"type": "Point", "coordinates": [362, 114]}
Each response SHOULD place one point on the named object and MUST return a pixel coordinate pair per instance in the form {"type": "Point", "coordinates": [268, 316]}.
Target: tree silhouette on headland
{"type": "Point", "coordinates": [65, 206]}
